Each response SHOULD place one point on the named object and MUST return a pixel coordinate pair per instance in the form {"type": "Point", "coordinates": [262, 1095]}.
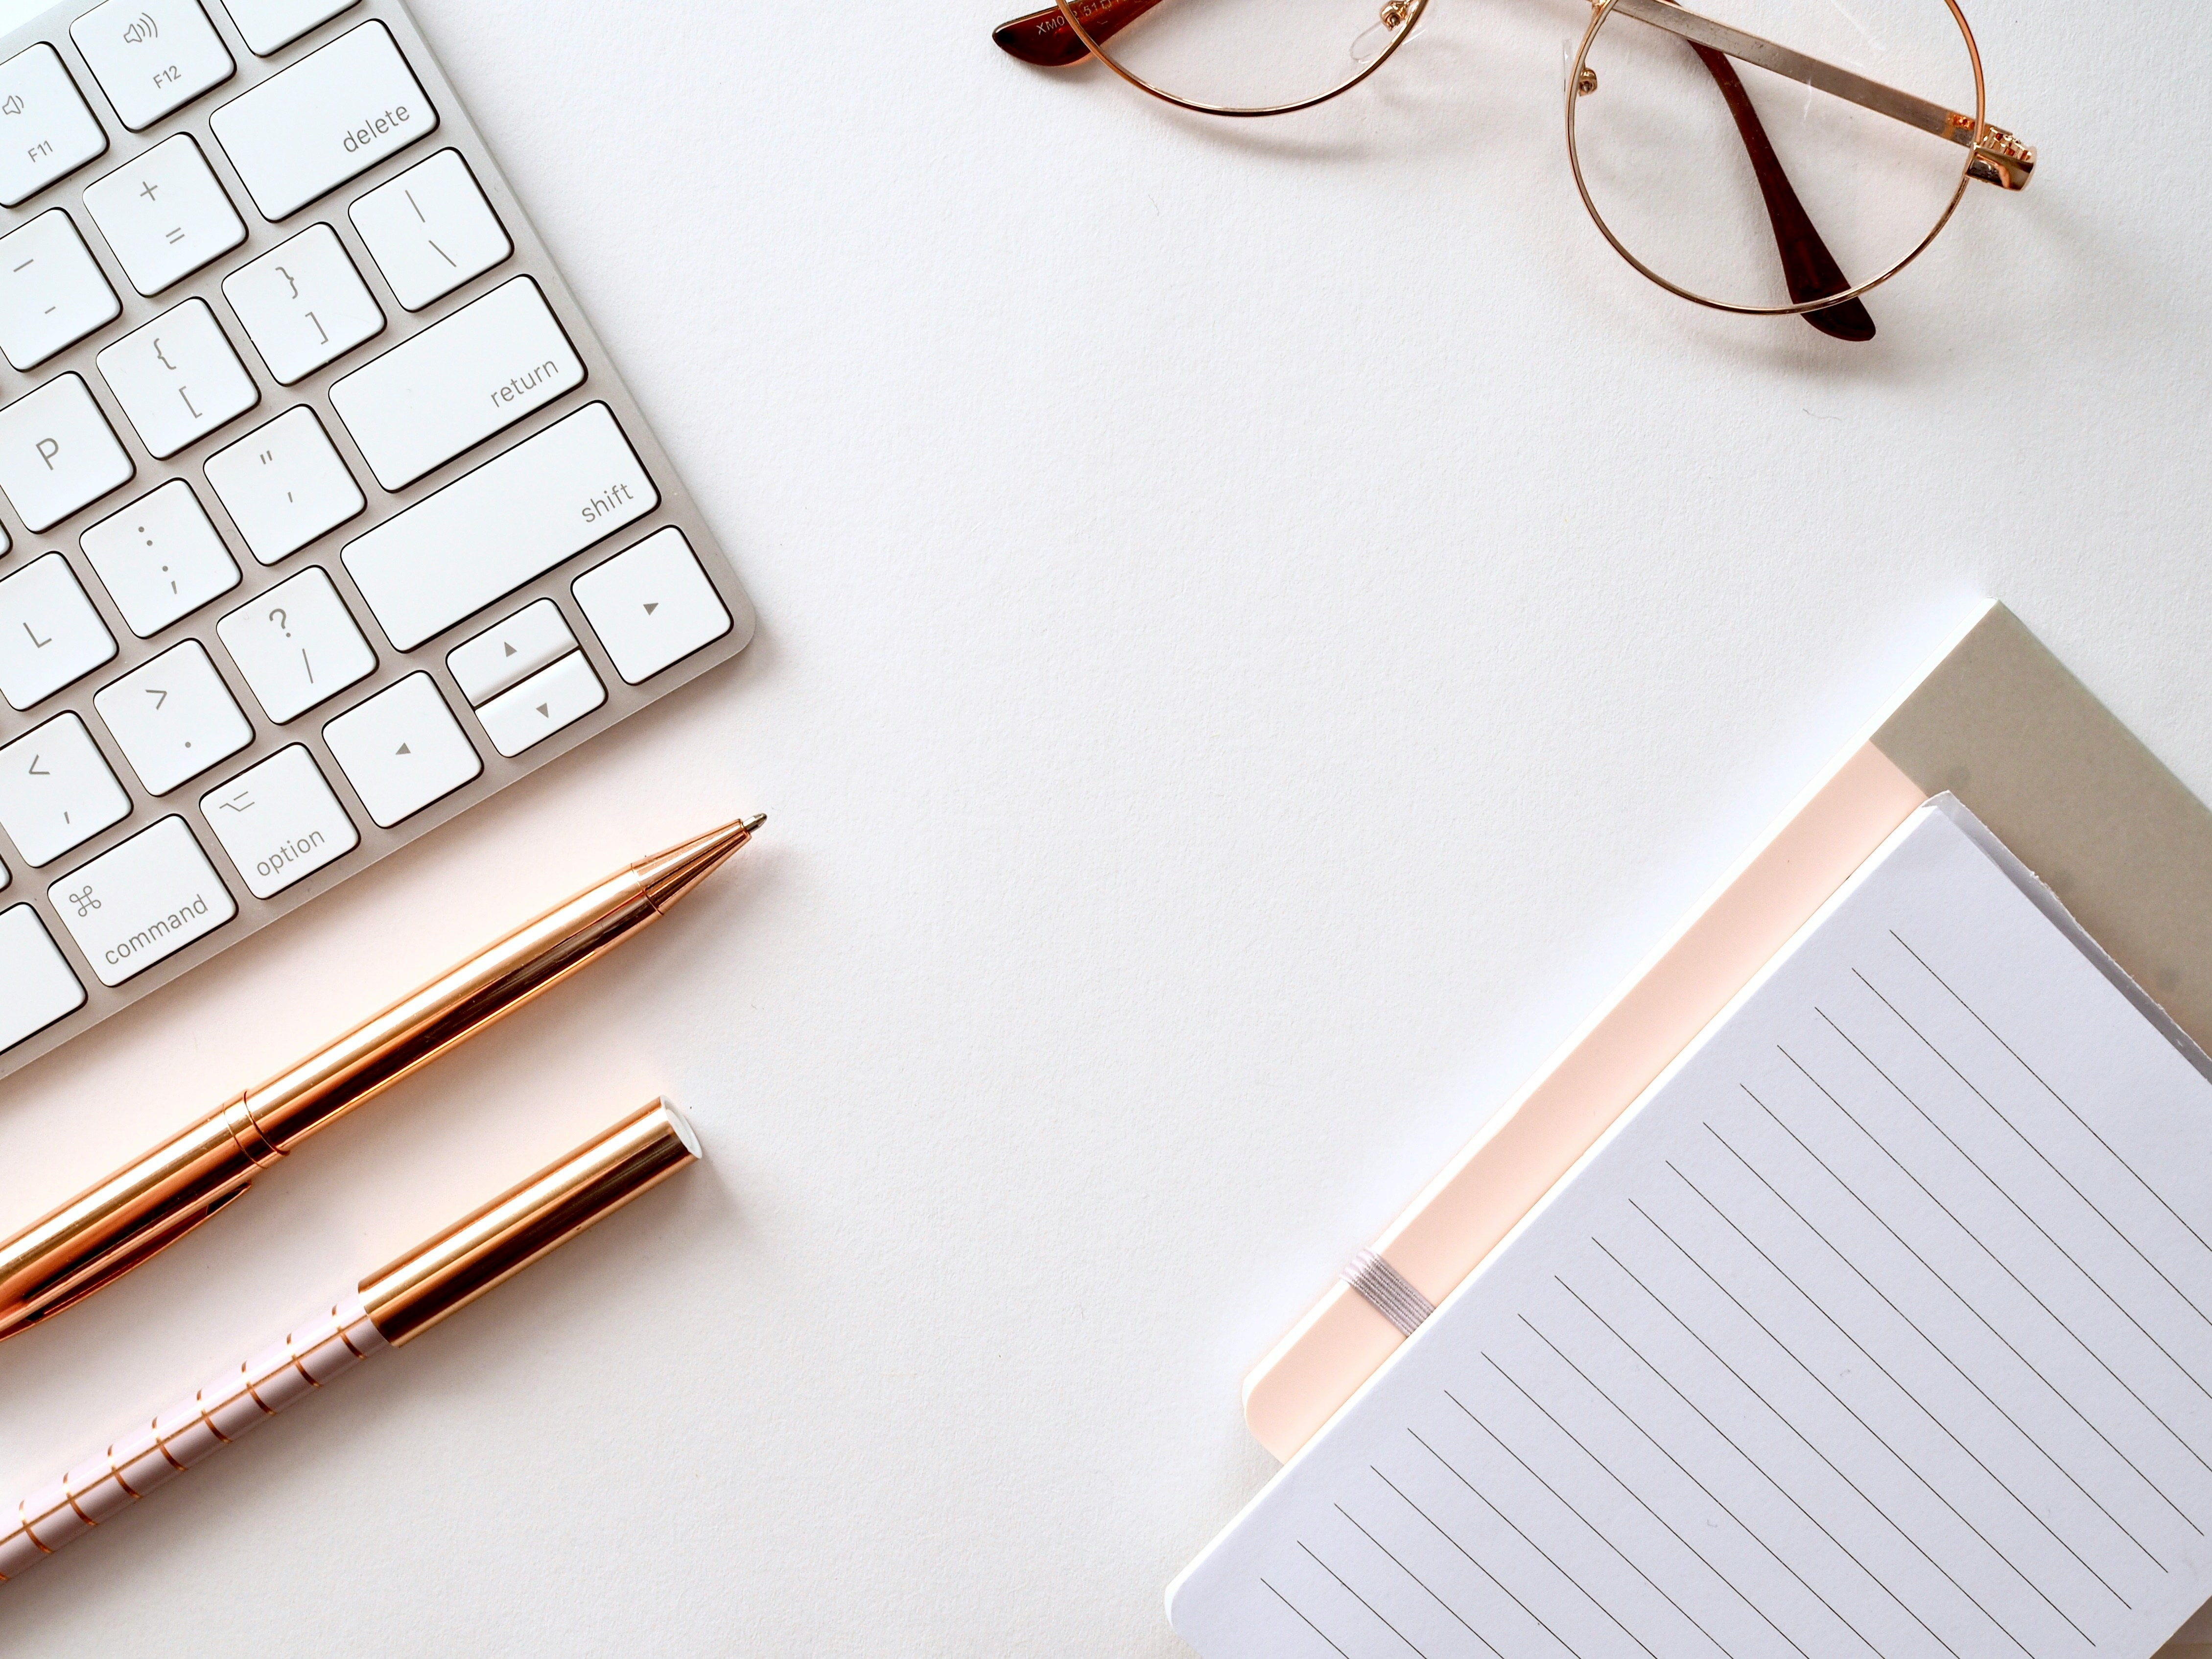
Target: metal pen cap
{"type": "Point", "coordinates": [141, 1209]}
{"type": "Point", "coordinates": [460, 1264]}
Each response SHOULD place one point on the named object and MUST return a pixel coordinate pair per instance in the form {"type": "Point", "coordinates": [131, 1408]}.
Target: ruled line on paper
{"type": "Point", "coordinates": [1875, 1435]}
{"type": "Point", "coordinates": [2025, 1508]}
{"type": "Point", "coordinates": [2089, 1128]}
{"type": "Point", "coordinates": [1423, 1583]}
{"type": "Point", "coordinates": [1788, 1495]}
{"type": "Point", "coordinates": [2022, 1210]}
{"type": "Point", "coordinates": [2026, 1288]}
{"type": "Point", "coordinates": [1969, 1306]}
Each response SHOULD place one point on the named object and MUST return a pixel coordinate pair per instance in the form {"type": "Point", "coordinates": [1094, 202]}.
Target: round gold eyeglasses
{"type": "Point", "coordinates": [1765, 157]}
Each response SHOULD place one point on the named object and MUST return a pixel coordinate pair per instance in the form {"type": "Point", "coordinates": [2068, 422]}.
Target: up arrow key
{"type": "Point", "coordinates": [403, 749]}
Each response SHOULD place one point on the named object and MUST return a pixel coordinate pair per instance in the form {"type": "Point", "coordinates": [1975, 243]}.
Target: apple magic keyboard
{"type": "Point", "coordinates": [325, 514]}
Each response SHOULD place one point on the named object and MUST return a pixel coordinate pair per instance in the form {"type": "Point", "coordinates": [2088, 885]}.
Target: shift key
{"type": "Point", "coordinates": [142, 902]}
{"type": "Point", "coordinates": [330, 117]}
{"type": "Point", "coordinates": [509, 521]}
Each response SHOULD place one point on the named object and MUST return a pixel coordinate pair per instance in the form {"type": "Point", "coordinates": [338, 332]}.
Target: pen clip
{"type": "Point", "coordinates": [134, 1252]}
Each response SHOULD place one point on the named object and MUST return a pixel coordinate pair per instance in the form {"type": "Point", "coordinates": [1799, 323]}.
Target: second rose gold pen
{"type": "Point", "coordinates": [141, 1209]}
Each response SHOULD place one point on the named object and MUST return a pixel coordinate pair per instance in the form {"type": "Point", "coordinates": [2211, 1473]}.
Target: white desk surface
{"type": "Point", "coordinates": [1260, 627]}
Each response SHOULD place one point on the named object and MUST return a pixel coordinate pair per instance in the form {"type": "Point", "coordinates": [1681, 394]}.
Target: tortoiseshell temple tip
{"type": "Point", "coordinates": [1850, 321]}
{"type": "Point", "coordinates": [1043, 38]}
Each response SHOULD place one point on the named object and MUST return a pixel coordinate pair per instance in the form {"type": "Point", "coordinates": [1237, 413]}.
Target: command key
{"type": "Point", "coordinates": [141, 902]}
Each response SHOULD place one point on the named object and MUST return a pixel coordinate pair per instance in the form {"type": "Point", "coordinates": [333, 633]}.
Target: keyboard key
{"type": "Point", "coordinates": [133, 908]}
{"type": "Point", "coordinates": [51, 291]}
{"type": "Point", "coordinates": [50, 635]}
{"type": "Point", "coordinates": [652, 605]}
{"type": "Point", "coordinates": [160, 558]}
{"type": "Point", "coordinates": [280, 823]}
{"type": "Point", "coordinates": [52, 130]}
{"type": "Point", "coordinates": [297, 645]}
{"type": "Point", "coordinates": [37, 986]}
{"type": "Point", "coordinates": [330, 117]}
{"type": "Point", "coordinates": [284, 485]}
{"type": "Point", "coordinates": [151, 56]}
{"type": "Point", "coordinates": [455, 384]}
{"type": "Point", "coordinates": [58, 790]}
{"type": "Point", "coordinates": [546, 702]}
{"type": "Point", "coordinates": [173, 718]}
{"type": "Point", "coordinates": [177, 379]}
{"type": "Point", "coordinates": [510, 653]}
{"type": "Point", "coordinates": [303, 304]}
{"type": "Point", "coordinates": [402, 749]}
{"type": "Point", "coordinates": [165, 213]}
{"type": "Point", "coordinates": [430, 230]}
{"type": "Point", "coordinates": [271, 25]}
{"type": "Point", "coordinates": [57, 454]}
{"type": "Point", "coordinates": [514, 518]}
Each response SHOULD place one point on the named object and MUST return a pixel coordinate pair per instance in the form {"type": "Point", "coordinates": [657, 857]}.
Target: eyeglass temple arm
{"type": "Point", "coordinates": [1044, 39]}
{"type": "Point", "coordinates": [1807, 267]}
{"type": "Point", "coordinates": [1998, 159]}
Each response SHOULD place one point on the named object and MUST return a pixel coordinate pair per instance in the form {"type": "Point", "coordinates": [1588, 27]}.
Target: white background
{"type": "Point", "coordinates": [1261, 628]}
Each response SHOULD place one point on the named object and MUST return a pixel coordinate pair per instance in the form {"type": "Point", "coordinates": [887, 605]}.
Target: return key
{"type": "Point", "coordinates": [451, 386]}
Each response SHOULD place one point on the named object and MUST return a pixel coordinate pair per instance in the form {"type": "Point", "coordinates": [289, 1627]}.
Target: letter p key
{"type": "Point", "coordinates": [47, 450]}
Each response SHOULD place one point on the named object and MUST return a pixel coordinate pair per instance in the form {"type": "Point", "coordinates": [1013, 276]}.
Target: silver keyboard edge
{"type": "Point", "coordinates": [602, 383]}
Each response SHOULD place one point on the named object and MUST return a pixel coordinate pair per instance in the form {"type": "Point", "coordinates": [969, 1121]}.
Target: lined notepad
{"type": "Point", "coordinates": [1880, 1326]}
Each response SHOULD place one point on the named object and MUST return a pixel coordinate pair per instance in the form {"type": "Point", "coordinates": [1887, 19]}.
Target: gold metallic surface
{"type": "Point", "coordinates": [103, 1233]}
{"type": "Point", "coordinates": [439, 1278]}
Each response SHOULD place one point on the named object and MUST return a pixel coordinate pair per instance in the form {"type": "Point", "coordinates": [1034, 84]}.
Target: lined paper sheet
{"type": "Point", "coordinates": [1880, 1327]}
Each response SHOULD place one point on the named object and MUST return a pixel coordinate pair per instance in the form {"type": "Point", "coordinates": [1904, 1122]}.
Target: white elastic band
{"type": "Point", "coordinates": [1388, 1293]}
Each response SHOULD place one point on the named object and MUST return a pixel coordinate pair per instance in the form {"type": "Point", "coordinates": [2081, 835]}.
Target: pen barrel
{"type": "Point", "coordinates": [315, 1352]}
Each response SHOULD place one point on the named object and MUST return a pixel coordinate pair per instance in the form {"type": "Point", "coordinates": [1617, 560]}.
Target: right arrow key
{"type": "Point", "coordinates": [652, 605]}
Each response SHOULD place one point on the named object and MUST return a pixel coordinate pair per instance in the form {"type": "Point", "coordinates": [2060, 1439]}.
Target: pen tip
{"type": "Point", "coordinates": [671, 877]}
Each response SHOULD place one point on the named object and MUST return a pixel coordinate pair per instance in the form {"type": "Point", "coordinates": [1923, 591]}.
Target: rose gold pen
{"type": "Point", "coordinates": [389, 1310]}
{"type": "Point", "coordinates": [141, 1209]}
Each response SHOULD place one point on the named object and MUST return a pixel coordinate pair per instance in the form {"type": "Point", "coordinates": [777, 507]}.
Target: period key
{"type": "Point", "coordinates": [137, 905]}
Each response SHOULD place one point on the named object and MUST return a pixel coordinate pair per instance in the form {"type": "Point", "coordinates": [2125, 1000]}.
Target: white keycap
{"type": "Point", "coordinates": [151, 56]}
{"type": "Point", "coordinates": [51, 291]}
{"type": "Point", "coordinates": [506, 655]}
{"type": "Point", "coordinates": [330, 117]}
{"type": "Point", "coordinates": [457, 382]}
{"type": "Point", "coordinates": [165, 213]}
{"type": "Point", "coordinates": [177, 379]}
{"type": "Point", "coordinates": [160, 558]}
{"type": "Point", "coordinates": [58, 790]}
{"type": "Point", "coordinates": [50, 635]}
{"type": "Point", "coordinates": [137, 905]}
{"type": "Point", "coordinates": [402, 749]}
{"type": "Point", "coordinates": [514, 518]}
{"type": "Point", "coordinates": [280, 823]}
{"type": "Point", "coordinates": [297, 644]}
{"type": "Point", "coordinates": [270, 25]}
{"type": "Point", "coordinates": [430, 229]}
{"type": "Point", "coordinates": [57, 454]}
{"type": "Point", "coordinates": [284, 485]}
{"type": "Point", "coordinates": [303, 304]}
{"type": "Point", "coordinates": [173, 718]}
{"type": "Point", "coordinates": [544, 703]}
{"type": "Point", "coordinates": [49, 132]}
{"type": "Point", "coordinates": [37, 986]}
{"type": "Point", "coordinates": [652, 605]}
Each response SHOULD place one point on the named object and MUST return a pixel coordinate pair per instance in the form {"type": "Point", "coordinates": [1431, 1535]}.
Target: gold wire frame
{"type": "Point", "coordinates": [1604, 9]}
{"type": "Point", "coordinates": [1070, 8]}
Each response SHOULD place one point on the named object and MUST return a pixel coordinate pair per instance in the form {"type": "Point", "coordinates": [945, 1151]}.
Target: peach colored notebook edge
{"type": "Point", "coordinates": [1994, 718]}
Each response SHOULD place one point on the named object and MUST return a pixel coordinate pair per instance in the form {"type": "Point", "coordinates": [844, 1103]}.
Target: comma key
{"type": "Point", "coordinates": [136, 906]}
